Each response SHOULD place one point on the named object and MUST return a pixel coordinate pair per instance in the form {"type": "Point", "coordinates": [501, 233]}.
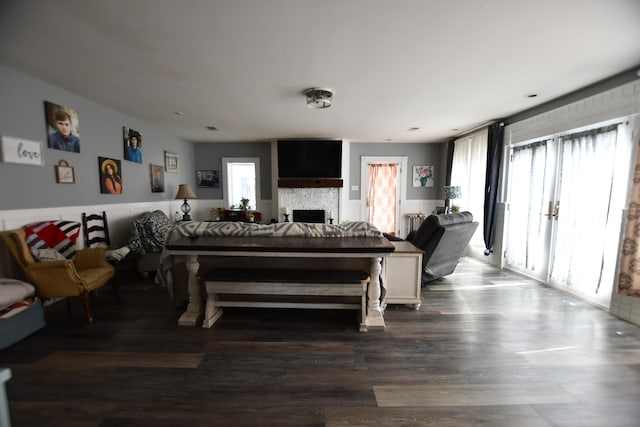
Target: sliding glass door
{"type": "Point", "coordinates": [531, 208]}
{"type": "Point", "coordinates": [565, 208]}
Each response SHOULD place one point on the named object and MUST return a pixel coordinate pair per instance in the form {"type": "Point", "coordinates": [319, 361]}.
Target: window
{"type": "Point", "coordinates": [241, 177]}
{"type": "Point", "coordinates": [469, 172]}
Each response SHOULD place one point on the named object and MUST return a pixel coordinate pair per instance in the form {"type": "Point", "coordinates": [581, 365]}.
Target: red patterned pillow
{"type": "Point", "coordinates": [58, 235]}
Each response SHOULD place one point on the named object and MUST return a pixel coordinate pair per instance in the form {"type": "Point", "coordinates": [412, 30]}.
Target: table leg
{"type": "Point", "coordinates": [195, 308]}
{"type": "Point", "coordinates": [375, 319]}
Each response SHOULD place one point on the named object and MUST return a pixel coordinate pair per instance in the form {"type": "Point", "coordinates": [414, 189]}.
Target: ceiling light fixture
{"type": "Point", "coordinates": [318, 97]}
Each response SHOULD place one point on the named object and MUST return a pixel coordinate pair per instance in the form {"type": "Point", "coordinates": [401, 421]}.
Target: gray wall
{"type": "Point", "coordinates": [208, 156]}
{"type": "Point", "coordinates": [24, 186]}
{"type": "Point", "coordinates": [29, 187]}
{"type": "Point", "coordinates": [418, 155]}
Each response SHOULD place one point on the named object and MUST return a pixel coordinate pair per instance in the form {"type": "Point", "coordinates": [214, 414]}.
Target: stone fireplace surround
{"type": "Point", "coordinates": [326, 199]}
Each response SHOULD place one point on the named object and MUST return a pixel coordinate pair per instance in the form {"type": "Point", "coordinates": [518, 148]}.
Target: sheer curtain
{"type": "Point", "coordinates": [527, 225]}
{"type": "Point", "coordinates": [468, 170]}
{"type": "Point", "coordinates": [382, 196]}
{"type": "Point", "coordinates": [592, 188]}
{"type": "Point", "coordinates": [629, 251]}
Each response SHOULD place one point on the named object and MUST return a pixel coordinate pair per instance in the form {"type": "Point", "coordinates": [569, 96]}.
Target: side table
{"type": "Point", "coordinates": [403, 269]}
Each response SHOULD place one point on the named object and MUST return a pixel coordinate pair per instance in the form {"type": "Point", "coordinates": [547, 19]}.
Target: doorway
{"type": "Point", "coordinates": [566, 198]}
{"type": "Point", "coordinates": [382, 192]}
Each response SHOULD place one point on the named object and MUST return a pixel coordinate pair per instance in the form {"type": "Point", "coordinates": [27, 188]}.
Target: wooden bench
{"type": "Point", "coordinates": [285, 288]}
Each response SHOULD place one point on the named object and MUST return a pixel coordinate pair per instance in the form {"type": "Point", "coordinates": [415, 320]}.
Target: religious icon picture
{"type": "Point", "coordinates": [110, 175]}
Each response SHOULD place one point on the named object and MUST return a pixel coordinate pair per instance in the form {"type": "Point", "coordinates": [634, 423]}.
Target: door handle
{"type": "Point", "coordinates": [549, 213]}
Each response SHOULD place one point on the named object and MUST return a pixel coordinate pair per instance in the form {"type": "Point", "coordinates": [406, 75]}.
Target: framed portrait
{"type": "Point", "coordinates": [132, 144]}
{"type": "Point", "coordinates": [65, 174]}
{"type": "Point", "coordinates": [440, 210]}
{"type": "Point", "coordinates": [171, 162]}
{"type": "Point", "coordinates": [157, 178]}
{"type": "Point", "coordinates": [63, 127]}
{"type": "Point", "coordinates": [110, 175]}
{"type": "Point", "coordinates": [208, 179]}
{"type": "Point", "coordinates": [423, 176]}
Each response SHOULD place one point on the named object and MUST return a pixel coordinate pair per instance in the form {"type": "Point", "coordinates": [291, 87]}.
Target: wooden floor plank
{"type": "Point", "coordinates": [471, 395]}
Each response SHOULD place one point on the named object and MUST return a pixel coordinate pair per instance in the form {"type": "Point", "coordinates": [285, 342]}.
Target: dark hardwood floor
{"type": "Point", "coordinates": [487, 348]}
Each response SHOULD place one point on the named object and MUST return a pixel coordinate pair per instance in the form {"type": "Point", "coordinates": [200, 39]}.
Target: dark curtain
{"type": "Point", "coordinates": [494, 158]}
{"type": "Point", "coordinates": [449, 166]}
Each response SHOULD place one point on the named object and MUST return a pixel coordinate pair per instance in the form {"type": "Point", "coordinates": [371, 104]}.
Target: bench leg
{"type": "Point", "coordinates": [211, 312]}
{"type": "Point", "coordinates": [362, 315]}
{"type": "Point", "coordinates": [195, 307]}
{"type": "Point", "coordinates": [374, 319]}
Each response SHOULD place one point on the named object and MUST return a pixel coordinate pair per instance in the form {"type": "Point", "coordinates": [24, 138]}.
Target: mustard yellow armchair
{"type": "Point", "coordinates": [88, 271]}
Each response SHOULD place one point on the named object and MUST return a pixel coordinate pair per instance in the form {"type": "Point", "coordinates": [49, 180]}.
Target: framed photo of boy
{"type": "Point", "coordinates": [208, 179]}
{"type": "Point", "coordinates": [132, 144]}
{"type": "Point", "coordinates": [171, 162]}
{"type": "Point", "coordinates": [63, 127]}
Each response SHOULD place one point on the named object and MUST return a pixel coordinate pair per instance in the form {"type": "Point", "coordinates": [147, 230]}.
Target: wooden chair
{"type": "Point", "coordinates": [95, 230]}
{"type": "Point", "coordinates": [89, 270]}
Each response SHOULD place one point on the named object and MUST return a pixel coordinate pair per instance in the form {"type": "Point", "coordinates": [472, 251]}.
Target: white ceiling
{"type": "Point", "coordinates": [241, 65]}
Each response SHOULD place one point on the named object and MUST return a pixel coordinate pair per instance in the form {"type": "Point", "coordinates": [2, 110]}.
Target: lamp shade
{"type": "Point", "coordinates": [185, 192]}
{"type": "Point", "coordinates": [451, 192]}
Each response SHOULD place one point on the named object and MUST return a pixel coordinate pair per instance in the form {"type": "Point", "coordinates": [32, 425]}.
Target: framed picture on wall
{"type": "Point", "coordinates": [63, 127]}
{"type": "Point", "coordinates": [423, 176]}
{"type": "Point", "coordinates": [65, 173]}
{"type": "Point", "coordinates": [110, 175]}
{"type": "Point", "coordinates": [171, 162]}
{"type": "Point", "coordinates": [209, 179]}
{"type": "Point", "coordinates": [132, 144]}
{"type": "Point", "coordinates": [157, 179]}
{"type": "Point", "coordinates": [18, 150]}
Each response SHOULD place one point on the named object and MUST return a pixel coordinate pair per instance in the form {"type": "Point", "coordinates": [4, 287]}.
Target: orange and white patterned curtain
{"type": "Point", "coordinates": [382, 196]}
{"type": "Point", "coordinates": [629, 267]}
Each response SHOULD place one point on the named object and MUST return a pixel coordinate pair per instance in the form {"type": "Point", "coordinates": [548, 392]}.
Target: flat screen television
{"type": "Point", "coordinates": [302, 158]}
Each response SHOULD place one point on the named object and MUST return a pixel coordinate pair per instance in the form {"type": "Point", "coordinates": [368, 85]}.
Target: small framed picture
{"type": "Point", "coordinates": [171, 162]}
{"type": "Point", "coordinates": [157, 179]}
{"type": "Point", "coordinates": [423, 176]}
{"type": "Point", "coordinates": [440, 210]}
{"type": "Point", "coordinates": [110, 175]}
{"type": "Point", "coordinates": [208, 179]}
{"type": "Point", "coordinates": [65, 174]}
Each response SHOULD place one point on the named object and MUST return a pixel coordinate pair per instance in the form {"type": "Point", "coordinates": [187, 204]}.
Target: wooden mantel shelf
{"type": "Point", "coordinates": [310, 183]}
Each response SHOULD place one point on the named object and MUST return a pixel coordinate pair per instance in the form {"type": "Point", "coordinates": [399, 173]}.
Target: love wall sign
{"type": "Point", "coordinates": [16, 150]}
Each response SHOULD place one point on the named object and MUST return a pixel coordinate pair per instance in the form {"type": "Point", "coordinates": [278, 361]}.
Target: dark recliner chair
{"type": "Point", "coordinates": [443, 238]}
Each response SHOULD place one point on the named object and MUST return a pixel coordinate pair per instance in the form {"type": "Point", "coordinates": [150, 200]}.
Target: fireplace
{"type": "Point", "coordinates": [309, 215]}
{"type": "Point", "coordinates": [310, 199]}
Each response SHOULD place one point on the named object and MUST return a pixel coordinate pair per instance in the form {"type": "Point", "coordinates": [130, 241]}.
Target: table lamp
{"type": "Point", "coordinates": [450, 192]}
{"type": "Point", "coordinates": [185, 192]}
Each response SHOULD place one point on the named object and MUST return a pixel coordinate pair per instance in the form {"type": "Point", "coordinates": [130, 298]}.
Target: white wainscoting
{"type": "Point", "coordinates": [120, 217]}
{"type": "Point", "coordinates": [352, 211]}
